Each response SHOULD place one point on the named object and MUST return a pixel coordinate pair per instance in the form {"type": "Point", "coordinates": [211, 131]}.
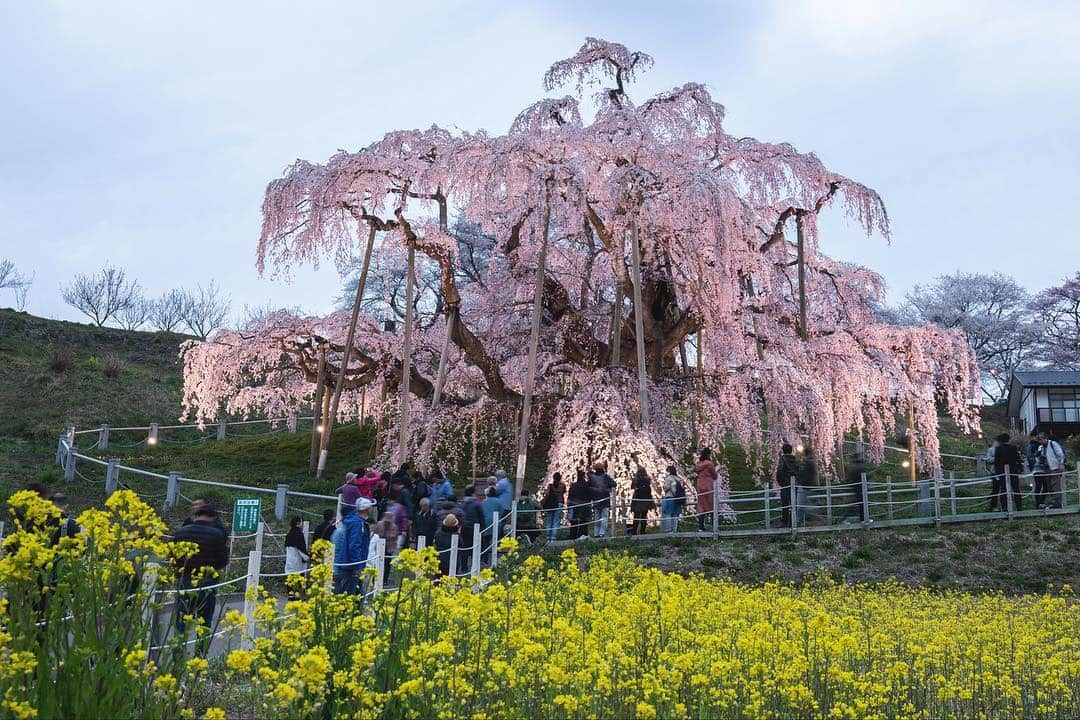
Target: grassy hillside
{"type": "Point", "coordinates": [1019, 556]}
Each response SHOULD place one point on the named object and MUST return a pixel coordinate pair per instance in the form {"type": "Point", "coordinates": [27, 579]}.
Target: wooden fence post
{"type": "Point", "coordinates": [455, 540]}
{"type": "Point", "coordinates": [250, 597]}
{"type": "Point", "coordinates": [103, 437]}
{"type": "Point", "coordinates": [259, 530]}
{"type": "Point", "coordinates": [477, 547]}
{"type": "Point", "coordinates": [148, 585]}
{"type": "Point", "coordinates": [172, 489]}
{"type": "Point", "coordinates": [281, 501]}
{"type": "Point", "coordinates": [888, 496]}
{"type": "Point", "coordinates": [794, 512]}
{"type": "Point", "coordinates": [1008, 492]}
{"type": "Point", "coordinates": [937, 499]}
{"type": "Point", "coordinates": [221, 430]}
{"type": "Point", "coordinates": [828, 501]}
{"type": "Point", "coordinates": [112, 476]}
{"type": "Point", "coordinates": [866, 501]}
{"type": "Point", "coordinates": [305, 528]}
{"type": "Point", "coordinates": [611, 515]}
{"type": "Point", "coordinates": [494, 539]}
{"type": "Point", "coordinates": [421, 542]}
{"type": "Point", "coordinates": [768, 510]}
{"type": "Point", "coordinates": [69, 464]}
{"type": "Point", "coordinates": [380, 568]}
{"type": "Point", "coordinates": [716, 507]}
{"type": "Point", "coordinates": [952, 491]}
{"type": "Point", "coordinates": [290, 423]}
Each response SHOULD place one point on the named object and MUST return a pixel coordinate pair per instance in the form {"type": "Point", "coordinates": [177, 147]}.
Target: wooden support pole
{"type": "Point", "coordinates": [911, 443]}
{"type": "Point", "coordinates": [534, 341]}
{"type": "Point", "coordinates": [406, 360]}
{"type": "Point", "coordinates": [474, 415]}
{"type": "Point", "coordinates": [316, 409]}
{"type": "Point", "coordinates": [440, 381]}
{"type": "Point", "coordinates": [346, 355]}
{"type": "Point", "coordinates": [639, 329]}
{"type": "Point", "coordinates": [616, 321]}
{"type": "Point", "coordinates": [804, 330]}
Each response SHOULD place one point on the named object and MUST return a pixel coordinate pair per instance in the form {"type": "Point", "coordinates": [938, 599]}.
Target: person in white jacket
{"type": "Point", "coordinates": [296, 551]}
{"type": "Point", "coordinates": [1055, 466]}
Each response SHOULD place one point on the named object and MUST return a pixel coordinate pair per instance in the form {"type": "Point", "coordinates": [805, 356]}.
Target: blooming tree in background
{"type": "Point", "coordinates": [993, 312]}
{"type": "Point", "coordinates": [746, 325]}
{"type": "Point", "coordinates": [1057, 310]}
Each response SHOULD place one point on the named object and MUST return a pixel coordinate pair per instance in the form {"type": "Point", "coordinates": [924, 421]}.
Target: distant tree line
{"type": "Point", "coordinates": [109, 296]}
{"type": "Point", "coordinates": [1008, 328]}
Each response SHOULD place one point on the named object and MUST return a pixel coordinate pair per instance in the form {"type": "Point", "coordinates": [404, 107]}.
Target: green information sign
{"type": "Point", "coordinates": [245, 517]}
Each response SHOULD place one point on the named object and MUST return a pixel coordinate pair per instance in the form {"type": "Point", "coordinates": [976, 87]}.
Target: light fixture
{"type": "Point", "coordinates": [151, 438]}
{"type": "Point", "coordinates": [319, 428]}
{"type": "Point", "coordinates": [905, 464]}
{"type": "Point", "coordinates": [799, 448]}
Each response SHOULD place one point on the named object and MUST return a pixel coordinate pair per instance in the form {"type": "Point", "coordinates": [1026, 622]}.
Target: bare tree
{"type": "Point", "coordinates": [993, 312]}
{"type": "Point", "coordinates": [100, 296]}
{"type": "Point", "coordinates": [168, 311]}
{"type": "Point", "coordinates": [136, 313]}
{"type": "Point", "coordinates": [15, 281]}
{"type": "Point", "coordinates": [205, 310]}
{"type": "Point", "coordinates": [254, 315]}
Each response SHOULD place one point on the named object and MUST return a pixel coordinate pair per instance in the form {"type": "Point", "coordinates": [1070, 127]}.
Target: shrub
{"type": "Point", "coordinates": [61, 359]}
{"type": "Point", "coordinates": [76, 615]}
{"type": "Point", "coordinates": [112, 365]}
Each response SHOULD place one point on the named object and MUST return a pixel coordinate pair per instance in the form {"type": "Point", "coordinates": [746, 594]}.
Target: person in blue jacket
{"type": "Point", "coordinates": [351, 540]}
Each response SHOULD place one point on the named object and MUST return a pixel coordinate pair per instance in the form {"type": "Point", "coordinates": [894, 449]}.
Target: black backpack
{"type": "Point", "coordinates": [680, 492]}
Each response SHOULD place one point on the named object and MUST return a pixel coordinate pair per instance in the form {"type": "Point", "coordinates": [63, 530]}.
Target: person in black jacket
{"type": "Point", "coordinates": [641, 501]}
{"type": "Point", "coordinates": [579, 502]}
{"type": "Point", "coordinates": [443, 539]}
{"type": "Point", "coordinates": [325, 529]}
{"type": "Point", "coordinates": [1006, 457]}
{"type": "Point", "coordinates": [787, 467]}
{"type": "Point", "coordinates": [202, 568]}
{"type": "Point", "coordinates": [424, 522]}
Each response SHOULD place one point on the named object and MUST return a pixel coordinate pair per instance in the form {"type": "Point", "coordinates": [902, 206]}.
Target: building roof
{"type": "Point", "coordinates": [1047, 378]}
{"type": "Point", "coordinates": [1023, 379]}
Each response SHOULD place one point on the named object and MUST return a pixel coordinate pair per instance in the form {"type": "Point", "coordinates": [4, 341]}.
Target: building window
{"type": "Point", "coordinates": [1063, 406]}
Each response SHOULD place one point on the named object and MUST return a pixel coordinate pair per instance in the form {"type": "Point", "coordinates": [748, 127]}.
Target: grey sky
{"type": "Point", "coordinates": [144, 133]}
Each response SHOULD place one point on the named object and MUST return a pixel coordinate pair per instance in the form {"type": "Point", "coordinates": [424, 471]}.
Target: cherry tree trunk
{"type": "Point", "coordinates": [534, 341]}
{"type": "Point", "coordinates": [328, 423]}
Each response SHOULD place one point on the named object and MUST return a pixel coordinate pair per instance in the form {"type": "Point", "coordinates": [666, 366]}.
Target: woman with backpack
{"type": "Point", "coordinates": [673, 502]}
{"type": "Point", "coordinates": [553, 504]}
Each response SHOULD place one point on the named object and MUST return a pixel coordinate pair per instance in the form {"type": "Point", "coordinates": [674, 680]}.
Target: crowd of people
{"type": "Point", "coordinates": [1045, 460]}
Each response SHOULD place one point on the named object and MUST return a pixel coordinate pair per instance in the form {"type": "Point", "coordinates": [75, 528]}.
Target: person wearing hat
{"type": "Point", "coordinates": [349, 493]}
{"type": "Point", "coordinates": [443, 538]}
{"type": "Point", "coordinates": [351, 540]}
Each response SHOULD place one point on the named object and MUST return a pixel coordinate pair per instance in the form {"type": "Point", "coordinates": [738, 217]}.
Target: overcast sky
{"type": "Point", "coordinates": [143, 133]}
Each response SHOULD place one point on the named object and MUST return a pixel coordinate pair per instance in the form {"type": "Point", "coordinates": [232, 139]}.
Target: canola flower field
{"type": "Point", "coordinates": [535, 640]}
